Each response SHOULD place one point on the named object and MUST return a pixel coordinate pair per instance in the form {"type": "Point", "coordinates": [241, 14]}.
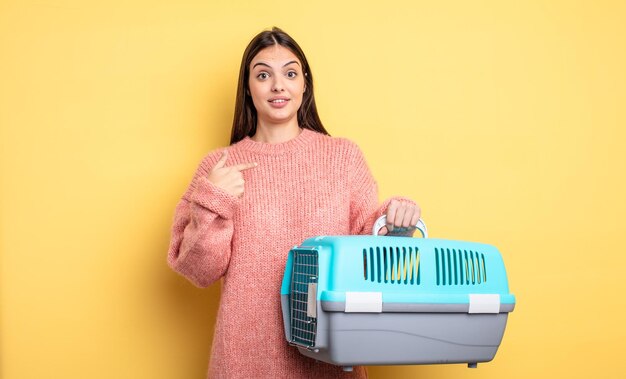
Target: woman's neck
{"type": "Point", "coordinates": [276, 133]}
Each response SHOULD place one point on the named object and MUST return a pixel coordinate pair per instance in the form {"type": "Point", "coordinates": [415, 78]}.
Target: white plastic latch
{"type": "Point", "coordinates": [311, 301]}
{"type": "Point", "coordinates": [484, 303]}
{"type": "Point", "coordinates": [370, 302]}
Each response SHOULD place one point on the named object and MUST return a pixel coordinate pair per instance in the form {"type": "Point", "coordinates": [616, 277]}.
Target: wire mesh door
{"type": "Point", "coordinates": [303, 298]}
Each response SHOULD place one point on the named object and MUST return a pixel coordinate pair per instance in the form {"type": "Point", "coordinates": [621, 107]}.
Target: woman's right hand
{"type": "Point", "coordinates": [229, 178]}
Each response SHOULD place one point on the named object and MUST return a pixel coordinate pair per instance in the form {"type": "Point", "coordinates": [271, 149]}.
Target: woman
{"type": "Point", "coordinates": [282, 179]}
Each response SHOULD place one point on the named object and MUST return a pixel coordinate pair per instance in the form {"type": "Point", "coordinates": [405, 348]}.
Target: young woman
{"type": "Point", "coordinates": [282, 179]}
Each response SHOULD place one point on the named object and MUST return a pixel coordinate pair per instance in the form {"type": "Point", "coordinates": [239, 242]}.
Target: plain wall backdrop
{"type": "Point", "coordinates": [505, 120]}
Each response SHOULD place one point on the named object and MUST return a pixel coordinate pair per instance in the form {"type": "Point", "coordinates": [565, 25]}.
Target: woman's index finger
{"type": "Point", "coordinates": [222, 161]}
{"type": "Point", "coordinates": [244, 166]}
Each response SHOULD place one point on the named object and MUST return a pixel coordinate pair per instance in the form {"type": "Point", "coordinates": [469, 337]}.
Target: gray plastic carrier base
{"type": "Point", "coordinates": [407, 338]}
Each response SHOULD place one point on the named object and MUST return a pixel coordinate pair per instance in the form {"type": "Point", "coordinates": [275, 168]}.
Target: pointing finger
{"type": "Point", "coordinates": [244, 166]}
{"type": "Point", "coordinates": [222, 161]}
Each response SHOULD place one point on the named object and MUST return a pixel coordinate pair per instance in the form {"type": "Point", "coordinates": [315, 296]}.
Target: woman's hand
{"type": "Point", "coordinates": [401, 213]}
{"type": "Point", "coordinates": [229, 178]}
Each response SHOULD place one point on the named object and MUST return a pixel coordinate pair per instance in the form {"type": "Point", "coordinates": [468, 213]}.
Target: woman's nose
{"type": "Point", "coordinates": [277, 86]}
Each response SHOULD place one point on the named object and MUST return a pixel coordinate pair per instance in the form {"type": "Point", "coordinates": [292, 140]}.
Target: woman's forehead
{"type": "Point", "coordinates": [275, 55]}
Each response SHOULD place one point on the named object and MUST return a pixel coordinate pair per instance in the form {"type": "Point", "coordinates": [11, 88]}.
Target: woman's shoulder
{"type": "Point", "coordinates": [338, 143]}
{"type": "Point", "coordinates": [210, 159]}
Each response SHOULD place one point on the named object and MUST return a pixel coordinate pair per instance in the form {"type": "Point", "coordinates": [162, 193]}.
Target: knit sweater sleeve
{"type": "Point", "coordinates": [364, 206]}
{"type": "Point", "coordinates": [202, 230]}
{"type": "Point", "coordinates": [363, 193]}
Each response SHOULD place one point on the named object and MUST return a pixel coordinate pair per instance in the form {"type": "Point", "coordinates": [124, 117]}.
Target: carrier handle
{"type": "Point", "coordinates": [382, 221]}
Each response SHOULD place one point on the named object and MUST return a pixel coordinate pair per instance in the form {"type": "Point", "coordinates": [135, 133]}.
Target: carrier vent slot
{"type": "Point", "coordinates": [372, 264]}
{"type": "Point", "coordinates": [466, 265]}
{"type": "Point", "coordinates": [459, 267]}
{"type": "Point", "coordinates": [462, 274]}
{"type": "Point", "coordinates": [437, 265]}
{"type": "Point", "coordinates": [472, 268]}
{"type": "Point", "coordinates": [365, 264]}
{"type": "Point", "coordinates": [448, 261]}
{"type": "Point", "coordinates": [455, 265]}
{"type": "Point", "coordinates": [482, 259]}
{"type": "Point", "coordinates": [386, 276]}
{"type": "Point", "coordinates": [378, 263]}
{"type": "Point", "coordinates": [392, 264]}
{"type": "Point", "coordinates": [304, 278]}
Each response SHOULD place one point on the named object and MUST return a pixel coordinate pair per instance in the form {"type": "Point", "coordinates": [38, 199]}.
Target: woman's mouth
{"type": "Point", "coordinates": [278, 102]}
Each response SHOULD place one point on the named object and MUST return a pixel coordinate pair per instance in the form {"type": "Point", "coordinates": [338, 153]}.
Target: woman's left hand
{"type": "Point", "coordinates": [401, 213]}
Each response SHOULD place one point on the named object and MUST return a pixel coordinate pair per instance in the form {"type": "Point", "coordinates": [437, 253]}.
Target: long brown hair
{"type": "Point", "coordinates": [245, 118]}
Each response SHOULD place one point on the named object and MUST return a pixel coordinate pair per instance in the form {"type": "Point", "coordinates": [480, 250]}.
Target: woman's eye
{"type": "Point", "coordinates": [292, 74]}
{"type": "Point", "coordinates": [263, 75]}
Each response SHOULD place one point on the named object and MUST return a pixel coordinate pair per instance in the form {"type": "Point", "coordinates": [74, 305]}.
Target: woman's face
{"type": "Point", "coordinates": [276, 85]}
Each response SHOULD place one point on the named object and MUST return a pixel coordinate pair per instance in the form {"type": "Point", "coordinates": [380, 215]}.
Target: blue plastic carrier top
{"type": "Point", "coordinates": [410, 274]}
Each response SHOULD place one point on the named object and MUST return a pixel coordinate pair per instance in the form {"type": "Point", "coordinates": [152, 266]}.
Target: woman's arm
{"type": "Point", "coordinates": [202, 231]}
{"type": "Point", "coordinates": [364, 208]}
{"type": "Point", "coordinates": [363, 194]}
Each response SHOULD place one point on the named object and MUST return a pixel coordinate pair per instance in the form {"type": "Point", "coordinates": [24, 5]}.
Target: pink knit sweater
{"type": "Point", "coordinates": [308, 186]}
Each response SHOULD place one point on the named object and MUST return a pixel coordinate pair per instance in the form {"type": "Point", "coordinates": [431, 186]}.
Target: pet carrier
{"type": "Point", "coordinates": [373, 300]}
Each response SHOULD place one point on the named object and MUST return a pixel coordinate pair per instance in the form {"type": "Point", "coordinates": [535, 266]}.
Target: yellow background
{"type": "Point", "coordinates": [504, 120]}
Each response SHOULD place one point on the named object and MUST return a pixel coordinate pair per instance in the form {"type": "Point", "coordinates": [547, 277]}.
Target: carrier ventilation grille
{"type": "Point", "coordinates": [460, 267]}
{"type": "Point", "coordinates": [398, 265]}
{"type": "Point", "coordinates": [303, 285]}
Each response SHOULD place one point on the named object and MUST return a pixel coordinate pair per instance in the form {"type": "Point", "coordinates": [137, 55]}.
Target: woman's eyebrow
{"type": "Point", "coordinates": [266, 65]}
{"type": "Point", "coordinates": [288, 63]}
{"type": "Point", "coordinates": [261, 64]}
